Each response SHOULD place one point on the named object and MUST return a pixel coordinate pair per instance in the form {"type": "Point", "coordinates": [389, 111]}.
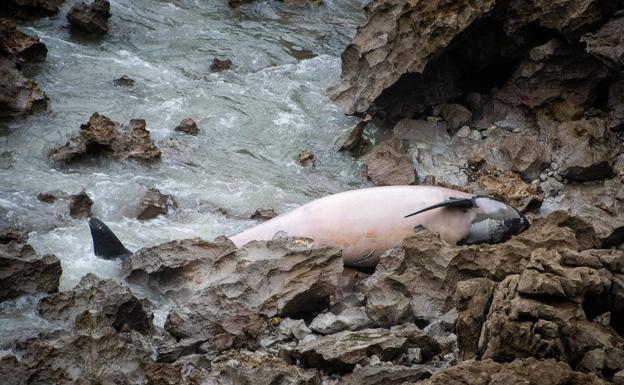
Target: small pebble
{"type": "Point", "coordinates": [414, 355]}
{"type": "Point", "coordinates": [463, 132]}
{"type": "Point", "coordinates": [559, 178]}
{"type": "Point", "coordinates": [550, 173]}
{"type": "Point", "coordinates": [543, 177]}
{"type": "Point", "coordinates": [475, 135]}
{"type": "Point", "coordinates": [554, 166]}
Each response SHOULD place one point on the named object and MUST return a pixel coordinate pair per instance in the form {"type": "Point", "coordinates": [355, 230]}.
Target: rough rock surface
{"type": "Point", "coordinates": [263, 214]}
{"type": "Point", "coordinates": [104, 137]}
{"type": "Point", "coordinates": [80, 205]}
{"type": "Point", "coordinates": [22, 271]}
{"type": "Point", "coordinates": [383, 374]}
{"type": "Point", "coordinates": [510, 188]}
{"type": "Point", "coordinates": [155, 203]}
{"type": "Point", "coordinates": [18, 96]}
{"type": "Point", "coordinates": [386, 164]}
{"type": "Point", "coordinates": [187, 126]}
{"type": "Point", "coordinates": [305, 158]}
{"type": "Point", "coordinates": [528, 372]}
{"type": "Point", "coordinates": [353, 140]}
{"type": "Point", "coordinates": [29, 9]}
{"type": "Point", "coordinates": [124, 81]}
{"type": "Point", "coordinates": [90, 18]}
{"type": "Point", "coordinates": [219, 65]}
{"type": "Point", "coordinates": [106, 302]}
{"type": "Point", "coordinates": [16, 43]}
{"type": "Point", "coordinates": [227, 296]}
{"type": "Point", "coordinates": [379, 54]}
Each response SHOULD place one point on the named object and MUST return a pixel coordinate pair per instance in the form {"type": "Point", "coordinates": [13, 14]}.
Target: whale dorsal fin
{"type": "Point", "coordinates": [105, 242]}
{"type": "Point", "coordinates": [459, 203]}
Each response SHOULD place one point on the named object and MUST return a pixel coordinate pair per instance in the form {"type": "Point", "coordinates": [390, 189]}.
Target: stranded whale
{"type": "Point", "coordinates": [366, 222]}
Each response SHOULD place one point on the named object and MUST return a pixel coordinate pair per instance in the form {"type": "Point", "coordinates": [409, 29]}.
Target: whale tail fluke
{"type": "Point", "coordinates": [105, 243]}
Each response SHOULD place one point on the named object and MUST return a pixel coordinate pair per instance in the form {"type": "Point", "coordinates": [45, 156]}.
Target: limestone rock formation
{"type": "Point", "coordinates": [104, 137]}
{"type": "Point", "coordinates": [22, 271]}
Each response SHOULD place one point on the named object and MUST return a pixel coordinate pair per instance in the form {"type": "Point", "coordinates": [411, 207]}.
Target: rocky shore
{"type": "Point", "coordinates": [522, 101]}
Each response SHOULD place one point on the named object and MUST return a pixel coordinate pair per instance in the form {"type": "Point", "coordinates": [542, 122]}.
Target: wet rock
{"type": "Point", "coordinates": [155, 203]}
{"type": "Point", "coordinates": [353, 141]}
{"type": "Point", "coordinates": [18, 96]}
{"type": "Point", "coordinates": [377, 57]}
{"type": "Point", "coordinates": [386, 164]}
{"type": "Point", "coordinates": [50, 197]}
{"type": "Point", "coordinates": [124, 81]}
{"type": "Point", "coordinates": [349, 319]}
{"type": "Point", "coordinates": [509, 187]}
{"type": "Point", "coordinates": [219, 65]}
{"type": "Point", "coordinates": [15, 43]}
{"type": "Point", "coordinates": [385, 374]}
{"type": "Point", "coordinates": [529, 371]}
{"type": "Point", "coordinates": [108, 304]}
{"type": "Point", "coordinates": [22, 271]}
{"type": "Point", "coordinates": [263, 214]}
{"type": "Point", "coordinates": [188, 126]}
{"type": "Point", "coordinates": [607, 44]}
{"type": "Point", "coordinates": [584, 149]}
{"type": "Point", "coordinates": [305, 158]}
{"type": "Point", "coordinates": [456, 116]}
{"type": "Point", "coordinates": [80, 205]}
{"type": "Point", "coordinates": [104, 137]}
{"type": "Point", "coordinates": [29, 9]}
{"type": "Point", "coordinates": [91, 19]}
{"type": "Point", "coordinates": [342, 351]}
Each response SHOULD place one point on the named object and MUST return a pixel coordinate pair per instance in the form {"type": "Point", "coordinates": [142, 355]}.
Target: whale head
{"type": "Point", "coordinates": [494, 222]}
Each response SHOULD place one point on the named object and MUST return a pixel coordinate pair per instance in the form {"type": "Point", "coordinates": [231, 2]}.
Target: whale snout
{"type": "Point", "coordinates": [495, 222]}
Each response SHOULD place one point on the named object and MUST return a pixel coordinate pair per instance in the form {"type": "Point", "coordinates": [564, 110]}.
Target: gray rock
{"type": "Point", "coordinates": [386, 164]}
{"type": "Point", "coordinates": [385, 374]}
{"type": "Point", "coordinates": [456, 116]}
{"type": "Point", "coordinates": [349, 319]}
{"type": "Point", "coordinates": [155, 203]}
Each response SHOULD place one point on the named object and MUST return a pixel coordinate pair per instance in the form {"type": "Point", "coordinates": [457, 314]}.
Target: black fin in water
{"type": "Point", "coordinates": [460, 203]}
{"type": "Point", "coordinates": [105, 243]}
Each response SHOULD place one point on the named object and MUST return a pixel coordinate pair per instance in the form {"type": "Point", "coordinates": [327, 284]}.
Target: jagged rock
{"type": "Point", "coordinates": [28, 9]}
{"type": "Point", "coordinates": [473, 298]}
{"type": "Point", "coordinates": [386, 164]}
{"type": "Point", "coordinates": [16, 43]}
{"type": "Point", "coordinates": [305, 158]}
{"type": "Point", "coordinates": [385, 374]}
{"type": "Point", "coordinates": [348, 319]}
{"type": "Point", "coordinates": [379, 55]}
{"type": "Point", "coordinates": [555, 70]}
{"type": "Point", "coordinates": [50, 196]}
{"type": "Point", "coordinates": [584, 149]}
{"type": "Point", "coordinates": [353, 140]}
{"type": "Point", "coordinates": [263, 214]}
{"type": "Point", "coordinates": [155, 203]}
{"type": "Point", "coordinates": [227, 296]}
{"type": "Point", "coordinates": [615, 103]}
{"type": "Point", "coordinates": [84, 358]}
{"type": "Point", "coordinates": [188, 126]}
{"type": "Point", "coordinates": [509, 187]}
{"type": "Point", "coordinates": [234, 367]}
{"type": "Point", "coordinates": [22, 271]}
{"type": "Point", "coordinates": [219, 65]}
{"type": "Point", "coordinates": [607, 43]}
{"type": "Point", "coordinates": [520, 153]}
{"type": "Point", "coordinates": [18, 96]}
{"type": "Point", "coordinates": [108, 304]}
{"type": "Point", "coordinates": [417, 280]}
{"type": "Point", "coordinates": [529, 372]}
{"type": "Point", "coordinates": [90, 18]}
{"type": "Point", "coordinates": [456, 116]}
{"type": "Point", "coordinates": [104, 137]}
{"type": "Point", "coordinates": [342, 351]}
{"type": "Point", "coordinates": [80, 205]}
{"type": "Point", "coordinates": [124, 81]}
{"type": "Point", "coordinates": [600, 206]}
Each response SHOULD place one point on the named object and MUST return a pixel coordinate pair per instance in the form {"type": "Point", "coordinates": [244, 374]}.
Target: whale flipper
{"type": "Point", "coordinates": [105, 243]}
{"type": "Point", "coordinates": [460, 203]}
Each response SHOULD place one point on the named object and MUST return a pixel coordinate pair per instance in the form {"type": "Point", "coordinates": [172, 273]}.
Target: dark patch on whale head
{"type": "Point", "coordinates": [495, 222]}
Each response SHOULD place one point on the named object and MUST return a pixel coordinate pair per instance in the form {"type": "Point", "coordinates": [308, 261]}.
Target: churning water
{"type": "Point", "coordinates": [254, 119]}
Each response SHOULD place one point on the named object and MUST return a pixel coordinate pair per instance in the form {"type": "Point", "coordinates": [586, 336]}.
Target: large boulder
{"type": "Point", "coordinates": [387, 164]}
{"type": "Point", "coordinates": [108, 303]}
{"type": "Point", "coordinates": [226, 296]}
{"type": "Point", "coordinates": [22, 270]}
{"type": "Point", "coordinates": [91, 19]}
{"type": "Point", "coordinates": [18, 96]}
{"type": "Point", "coordinates": [104, 137]}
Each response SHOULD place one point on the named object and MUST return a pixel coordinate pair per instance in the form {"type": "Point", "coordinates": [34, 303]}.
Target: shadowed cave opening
{"type": "Point", "coordinates": [479, 59]}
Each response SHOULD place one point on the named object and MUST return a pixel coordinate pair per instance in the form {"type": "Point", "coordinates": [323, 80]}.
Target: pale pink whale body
{"type": "Point", "coordinates": [364, 223]}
